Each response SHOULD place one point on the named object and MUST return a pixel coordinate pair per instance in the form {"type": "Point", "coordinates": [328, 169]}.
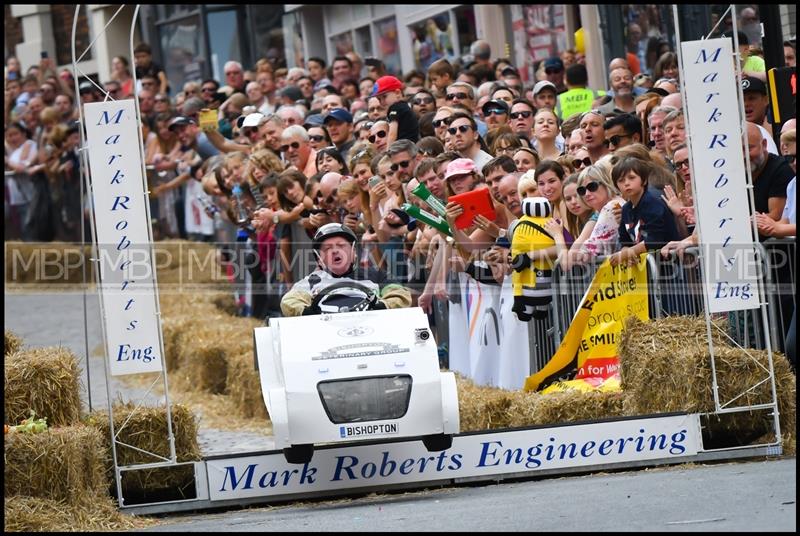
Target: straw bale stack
{"type": "Point", "coordinates": [483, 408]}
{"type": "Point", "coordinates": [187, 263]}
{"type": "Point", "coordinates": [11, 342]}
{"type": "Point", "coordinates": [63, 464]}
{"type": "Point", "coordinates": [146, 429]}
{"type": "Point", "coordinates": [244, 386]}
{"type": "Point", "coordinates": [52, 263]}
{"type": "Point", "coordinates": [89, 514]}
{"type": "Point", "coordinates": [566, 406]}
{"type": "Point", "coordinates": [45, 380]}
{"type": "Point", "coordinates": [666, 367]}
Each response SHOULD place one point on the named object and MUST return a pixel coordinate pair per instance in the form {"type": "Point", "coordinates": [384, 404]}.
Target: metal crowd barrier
{"type": "Point", "coordinates": [675, 287]}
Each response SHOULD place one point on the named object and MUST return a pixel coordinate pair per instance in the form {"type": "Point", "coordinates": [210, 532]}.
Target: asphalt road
{"type": "Point", "coordinates": [728, 497]}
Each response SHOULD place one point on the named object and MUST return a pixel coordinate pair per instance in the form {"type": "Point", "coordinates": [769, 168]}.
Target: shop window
{"type": "Point", "coordinates": [465, 24]}
{"type": "Point", "coordinates": [268, 32]}
{"type": "Point", "coordinates": [648, 33]}
{"type": "Point", "coordinates": [342, 43]}
{"type": "Point", "coordinates": [388, 49]}
{"type": "Point", "coordinates": [543, 35]}
{"type": "Point", "coordinates": [182, 46]}
{"type": "Point", "coordinates": [223, 36]}
{"type": "Point", "coordinates": [363, 41]}
{"type": "Point", "coordinates": [432, 39]}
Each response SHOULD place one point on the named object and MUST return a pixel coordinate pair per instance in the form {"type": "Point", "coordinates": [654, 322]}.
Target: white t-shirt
{"type": "Point", "coordinates": [771, 147]}
{"type": "Point", "coordinates": [197, 221]}
{"type": "Point", "coordinates": [481, 158]}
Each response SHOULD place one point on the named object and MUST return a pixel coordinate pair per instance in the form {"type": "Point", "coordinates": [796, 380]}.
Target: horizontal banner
{"type": "Point", "coordinates": [517, 451]}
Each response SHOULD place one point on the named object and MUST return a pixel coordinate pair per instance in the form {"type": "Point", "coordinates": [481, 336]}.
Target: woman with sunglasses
{"type": "Point", "coordinates": [545, 132]}
{"type": "Point", "coordinates": [329, 159]}
{"type": "Point", "coordinates": [441, 121]}
{"type": "Point", "coordinates": [598, 192]}
{"type": "Point", "coordinates": [379, 135]}
{"type": "Point", "coordinates": [318, 137]}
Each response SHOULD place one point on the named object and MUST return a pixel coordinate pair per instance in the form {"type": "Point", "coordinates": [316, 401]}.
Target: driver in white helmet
{"type": "Point", "coordinates": [334, 245]}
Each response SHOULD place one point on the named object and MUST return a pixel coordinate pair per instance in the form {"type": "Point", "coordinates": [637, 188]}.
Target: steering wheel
{"type": "Point", "coordinates": [364, 305]}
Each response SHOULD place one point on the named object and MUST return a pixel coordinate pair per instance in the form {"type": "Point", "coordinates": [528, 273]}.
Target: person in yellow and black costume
{"type": "Point", "coordinates": [532, 272]}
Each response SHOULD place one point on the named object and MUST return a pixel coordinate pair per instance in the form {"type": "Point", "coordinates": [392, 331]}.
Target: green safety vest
{"type": "Point", "coordinates": [576, 101]}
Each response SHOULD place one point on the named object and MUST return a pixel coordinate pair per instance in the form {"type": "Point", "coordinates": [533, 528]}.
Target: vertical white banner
{"type": "Point", "coordinates": [127, 287]}
{"type": "Point", "coordinates": [487, 343]}
{"type": "Point", "coordinates": [718, 176]}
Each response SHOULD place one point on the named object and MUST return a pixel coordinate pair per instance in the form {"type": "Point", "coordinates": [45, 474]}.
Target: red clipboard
{"type": "Point", "coordinates": [474, 202]}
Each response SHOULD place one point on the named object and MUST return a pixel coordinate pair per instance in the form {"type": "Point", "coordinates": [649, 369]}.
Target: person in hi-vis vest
{"type": "Point", "coordinates": [578, 98]}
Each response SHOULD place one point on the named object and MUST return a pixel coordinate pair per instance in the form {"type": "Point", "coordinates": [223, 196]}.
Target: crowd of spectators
{"type": "Point", "coordinates": [266, 156]}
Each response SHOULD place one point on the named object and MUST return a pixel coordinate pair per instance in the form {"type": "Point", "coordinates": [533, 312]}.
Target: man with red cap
{"type": "Point", "coordinates": [403, 124]}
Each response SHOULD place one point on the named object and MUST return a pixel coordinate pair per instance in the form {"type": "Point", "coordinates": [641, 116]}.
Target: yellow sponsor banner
{"type": "Point", "coordinates": [616, 293]}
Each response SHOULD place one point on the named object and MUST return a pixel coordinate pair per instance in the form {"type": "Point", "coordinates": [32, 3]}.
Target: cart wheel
{"type": "Point", "coordinates": [299, 453]}
{"type": "Point", "coordinates": [437, 442]}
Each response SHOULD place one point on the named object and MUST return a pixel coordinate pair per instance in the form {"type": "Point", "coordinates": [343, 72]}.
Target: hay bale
{"type": "Point", "coordinates": [146, 428]}
{"type": "Point", "coordinates": [11, 343]}
{"type": "Point", "coordinates": [47, 264]}
{"type": "Point", "coordinates": [482, 408]}
{"type": "Point", "coordinates": [61, 463]}
{"type": "Point", "coordinates": [45, 380]}
{"type": "Point", "coordinates": [666, 366]}
{"type": "Point", "coordinates": [206, 348]}
{"type": "Point", "coordinates": [89, 514]}
{"type": "Point", "coordinates": [565, 406]}
{"type": "Point", "coordinates": [244, 386]}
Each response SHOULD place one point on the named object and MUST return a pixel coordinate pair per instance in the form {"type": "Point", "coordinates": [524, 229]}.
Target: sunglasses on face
{"type": "Point", "coordinates": [403, 164]}
{"type": "Point", "coordinates": [552, 70]}
{"type": "Point", "coordinates": [379, 134]}
{"type": "Point", "coordinates": [682, 163]}
{"type": "Point", "coordinates": [590, 187]}
{"type": "Point", "coordinates": [459, 96]}
{"type": "Point", "coordinates": [328, 200]}
{"type": "Point", "coordinates": [423, 100]}
{"type": "Point", "coordinates": [440, 122]}
{"type": "Point", "coordinates": [316, 138]}
{"type": "Point", "coordinates": [614, 140]}
{"type": "Point", "coordinates": [294, 145]}
{"type": "Point", "coordinates": [460, 128]}
{"type": "Point", "coordinates": [517, 115]}
{"type": "Point", "coordinates": [580, 163]}
{"type": "Point", "coordinates": [208, 90]}
{"type": "Point", "coordinates": [250, 132]}
{"type": "Point", "coordinates": [373, 109]}
{"type": "Point", "coordinates": [495, 111]}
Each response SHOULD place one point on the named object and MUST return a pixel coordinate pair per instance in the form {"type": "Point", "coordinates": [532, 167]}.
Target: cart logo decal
{"type": "Point", "coordinates": [363, 349]}
{"type": "Point", "coordinates": [355, 331]}
{"type": "Point", "coordinates": [358, 430]}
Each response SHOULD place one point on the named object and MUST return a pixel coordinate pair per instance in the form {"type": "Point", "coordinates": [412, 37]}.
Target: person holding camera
{"type": "Point", "coordinates": [334, 245]}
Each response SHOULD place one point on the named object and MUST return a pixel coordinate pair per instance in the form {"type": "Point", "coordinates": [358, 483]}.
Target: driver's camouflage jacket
{"type": "Point", "coordinates": [301, 295]}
